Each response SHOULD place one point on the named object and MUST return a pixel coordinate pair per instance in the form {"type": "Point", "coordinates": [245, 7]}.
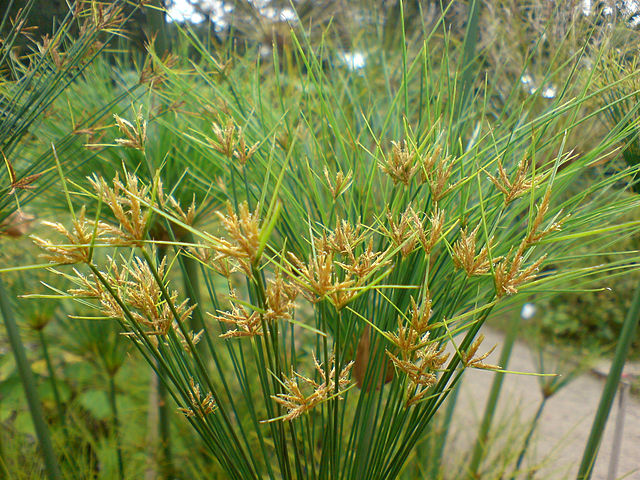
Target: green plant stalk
{"type": "Point", "coordinates": [481, 442]}
{"type": "Point", "coordinates": [164, 430]}
{"type": "Point", "coordinates": [441, 440]}
{"type": "Point", "coordinates": [29, 384]}
{"type": "Point", "coordinates": [192, 286]}
{"type": "Point", "coordinates": [466, 67]}
{"type": "Point", "coordinates": [158, 25]}
{"type": "Point", "coordinates": [527, 440]}
{"type": "Point", "coordinates": [164, 419]}
{"type": "Point", "coordinates": [116, 424]}
{"type": "Point", "coordinates": [610, 388]}
{"type": "Point", "coordinates": [4, 471]}
{"type": "Point", "coordinates": [52, 375]}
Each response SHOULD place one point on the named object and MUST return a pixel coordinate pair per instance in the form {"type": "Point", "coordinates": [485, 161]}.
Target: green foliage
{"type": "Point", "coordinates": [367, 218]}
{"type": "Point", "coordinates": [592, 319]}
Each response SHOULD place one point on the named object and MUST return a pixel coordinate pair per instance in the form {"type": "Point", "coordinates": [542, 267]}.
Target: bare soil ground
{"type": "Point", "coordinates": [562, 431]}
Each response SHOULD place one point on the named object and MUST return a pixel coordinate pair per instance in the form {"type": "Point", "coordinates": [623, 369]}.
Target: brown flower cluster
{"type": "Point", "coordinates": [340, 183]}
{"type": "Point", "coordinates": [471, 360]}
{"type": "Point", "coordinates": [517, 186]}
{"type": "Point", "coordinates": [297, 402]}
{"type": "Point", "coordinates": [79, 238]}
{"type": "Point", "coordinates": [418, 358]}
{"type": "Point", "coordinates": [339, 266]}
{"type": "Point", "coordinates": [405, 163]}
{"type": "Point", "coordinates": [509, 272]}
{"type": "Point", "coordinates": [133, 286]}
{"type": "Point", "coordinates": [130, 203]}
{"type": "Point", "coordinates": [410, 230]}
{"type": "Point", "coordinates": [279, 305]}
{"type": "Point", "coordinates": [464, 254]}
{"type": "Point", "coordinates": [135, 136]}
{"type": "Point", "coordinates": [244, 231]}
{"type": "Point", "coordinates": [231, 143]}
{"type": "Point", "coordinates": [198, 406]}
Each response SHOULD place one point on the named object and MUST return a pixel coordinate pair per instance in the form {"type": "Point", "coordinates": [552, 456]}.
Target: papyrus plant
{"type": "Point", "coordinates": [327, 360]}
{"type": "Point", "coordinates": [368, 234]}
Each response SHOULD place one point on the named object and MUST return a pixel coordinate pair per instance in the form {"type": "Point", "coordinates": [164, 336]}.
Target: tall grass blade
{"type": "Point", "coordinates": [28, 382]}
{"type": "Point", "coordinates": [610, 388]}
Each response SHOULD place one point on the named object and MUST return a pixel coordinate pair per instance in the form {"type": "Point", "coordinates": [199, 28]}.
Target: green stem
{"type": "Point", "coordinates": [610, 388]}
{"type": "Point", "coordinates": [164, 430]}
{"type": "Point", "coordinates": [466, 67]}
{"type": "Point", "coordinates": [4, 470]}
{"type": "Point", "coordinates": [441, 440]}
{"type": "Point", "coordinates": [483, 435]}
{"type": "Point", "coordinates": [527, 439]}
{"type": "Point", "coordinates": [164, 418]}
{"type": "Point", "coordinates": [190, 278]}
{"type": "Point", "coordinates": [52, 375]}
{"type": "Point", "coordinates": [116, 424]}
{"type": "Point", "coordinates": [29, 384]}
{"type": "Point", "coordinates": [158, 26]}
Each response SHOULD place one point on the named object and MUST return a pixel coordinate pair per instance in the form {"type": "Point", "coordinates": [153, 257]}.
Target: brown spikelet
{"type": "Point", "coordinates": [470, 359]}
{"type": "Point", "coordinates": [464, 254]}
{"type": "Point", "coordinates": [134, 135]}
{"type": "Point", "coordinates": [509, 274]}
{"type": "Point", "coordinates": [198, 406]}
{"type": "Point", "coordinates": [297, 402]}
{"type": "Point", "coordinates": [339, 184]}
{"type": "Point", "coordinates": [438, 179]}
{"type": "Point", "coordinates": [517, 186]}
{"type": "Point", "coordinates": [401, 166]}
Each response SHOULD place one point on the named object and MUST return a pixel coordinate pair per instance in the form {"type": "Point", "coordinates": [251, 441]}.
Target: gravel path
{"type": "Point", "coordinates": [563, 429]}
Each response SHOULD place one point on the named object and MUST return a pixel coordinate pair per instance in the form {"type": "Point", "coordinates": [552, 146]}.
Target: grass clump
{"type": "Point", "coordinates": [305, 253]}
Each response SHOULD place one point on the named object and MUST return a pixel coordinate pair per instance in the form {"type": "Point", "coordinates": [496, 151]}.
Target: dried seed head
{"type": "Point", "coordinates": [232, 143]}
{"type": "Point", "coordinates": [406, 340]}
{"type": "Point", "coordinates": [297, 402]}
{"type": "Point", "coordinates": [364, 264]}
{"type": "Point", "coordinates": [428, 161]}
{"type": "Point", "coordinates": [509, 275]}
{"type": "Point", "coordinates": [419, 357]}
{"type": "Point", "coordinates": [198, 406]}
{"type": "Point", "coordinates": [317, 279]}
{"type": "Point", "coordinates": [244, 152]}
{"type": "Point", "coordinates": [420, 372]}
{"type": "Point", "coordinates": [340, 183]}
{"type": "Point", "coordinates": [421, 315]}
{"type": "Point", "coordinates": [244, 231]}
{"type": "Point", "coordinates": [79, 239]}
{"type": "Point", "coordinates": [135, 135]}
{"type": "Point", "coordinates": [427, 238]}
{"type": "Point", "coordinates": [22, 183]}
{"type": "Point", "coordinates": [50, 46]}
{"type": "Point", "coordinates": [248, 324]}
{"type": "Point", "coordinates": [188, 217]}
{"type": "Point", "coordinates": [130, 204]}
{"type": "Point", "coordinates": [280, 298]}
{"type": "Point", "coordinates": [535, 233]}
{"type": "Point", "coordinates": [519, 185]}
{"type": "Point", "coordinates": [401, 233]}
{"type": "Point", "coordinates": [469, 358]}
{"type": "Point", "coordinates": [154, 71]}
{"type": "Point", "coordinates": [225, 141]}
{"type": "Point", "coordinates": [345, 238]}
{"type": "Point", "coordinates": [100, 16]}
{"type": "Point", "coordinates": [401, 167]}
{"type": "Point", "coordinates": [438, 179]}
{"type": "Point", "coordinates": [16, 224]}
{"type": "Point", "coordinates": [464, 254]}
